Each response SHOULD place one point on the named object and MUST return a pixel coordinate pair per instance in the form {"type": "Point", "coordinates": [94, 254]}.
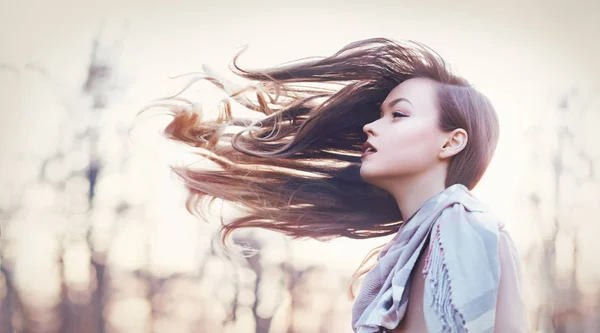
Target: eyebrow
{"type": "Point", "coordinates": [394, 102]}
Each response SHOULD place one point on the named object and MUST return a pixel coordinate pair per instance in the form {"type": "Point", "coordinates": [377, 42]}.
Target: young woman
{"type": "Point", "coordinates": [426, 136]}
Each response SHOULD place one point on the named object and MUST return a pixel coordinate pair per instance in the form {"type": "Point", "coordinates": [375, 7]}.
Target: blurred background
{"type": "Point", "coordinates": [95, 236]}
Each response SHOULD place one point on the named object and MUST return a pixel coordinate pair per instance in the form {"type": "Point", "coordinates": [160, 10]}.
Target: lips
{"type": "Point", "coordinates": [366, 146]}
{"type": "Point", "coordinates": [368, 149]}
{"type": "Point", "coordinates": [367, 153]}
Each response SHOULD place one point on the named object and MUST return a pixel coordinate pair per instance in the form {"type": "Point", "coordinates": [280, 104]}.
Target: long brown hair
{"type": "Point", "coordinates": [296, 171]}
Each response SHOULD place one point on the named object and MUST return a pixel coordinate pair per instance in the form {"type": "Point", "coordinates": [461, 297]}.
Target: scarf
{"type": "Point", "coordinates": [462, 269]}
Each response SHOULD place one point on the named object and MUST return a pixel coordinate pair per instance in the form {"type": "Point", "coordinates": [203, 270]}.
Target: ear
{"type": "Point", "coordinates": [454, 143]}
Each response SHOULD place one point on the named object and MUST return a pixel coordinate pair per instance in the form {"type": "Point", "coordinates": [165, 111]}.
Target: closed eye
{"type": "Point", "coordinates": [395, 115]}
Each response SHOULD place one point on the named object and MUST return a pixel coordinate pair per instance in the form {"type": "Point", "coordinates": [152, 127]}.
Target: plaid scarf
{"type": "Point", "coordinates": [462, 268]}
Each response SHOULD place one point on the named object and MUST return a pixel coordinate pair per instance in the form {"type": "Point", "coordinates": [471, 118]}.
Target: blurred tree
{"type": "Point", "coordinates": [10, 205]}
{"type": "Point", "coordinates": [57, 170]}
{"type": "Point", "coordinates": [561, 143]}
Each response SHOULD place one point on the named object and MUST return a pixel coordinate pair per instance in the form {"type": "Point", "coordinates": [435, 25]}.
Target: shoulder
{"type": "Point", "coordinates": [511, 310]}
{"type": "Point", "coordinates": [510, 260]}
{"type": "Point", "coordinates": [507, 248]}
{"type": "Point", "coordinates": [467, 222]}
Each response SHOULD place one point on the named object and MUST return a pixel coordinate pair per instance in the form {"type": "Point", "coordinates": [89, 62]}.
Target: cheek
{"type": "Point", "coordinates": [410, 152]}
{"type": "Point", "coordinates": [411, 157]}
{"type": "Point", "coordinates": [415, 144]}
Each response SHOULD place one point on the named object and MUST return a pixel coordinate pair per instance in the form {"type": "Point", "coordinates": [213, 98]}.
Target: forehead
{"type": "Point", "coordinates": [421, 92]}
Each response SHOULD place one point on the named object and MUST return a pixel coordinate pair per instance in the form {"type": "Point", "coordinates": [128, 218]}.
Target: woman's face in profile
{"type": "Point", "coordinates": [406, 136]}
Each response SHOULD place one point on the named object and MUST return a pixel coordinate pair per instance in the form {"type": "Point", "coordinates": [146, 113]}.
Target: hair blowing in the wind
{"type": "Point", "coordinates": [296, 168]}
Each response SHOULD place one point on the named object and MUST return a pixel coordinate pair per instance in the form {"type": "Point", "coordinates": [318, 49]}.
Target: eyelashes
{"type": "Point", "coordinates": [395, 115]}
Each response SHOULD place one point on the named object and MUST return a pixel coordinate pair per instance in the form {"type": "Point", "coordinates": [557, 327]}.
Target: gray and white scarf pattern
{"type": "Point", "coordinates": [462, 269]}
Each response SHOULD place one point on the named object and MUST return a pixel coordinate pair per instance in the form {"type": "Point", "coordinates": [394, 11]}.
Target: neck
{"type": "Point", "coordinates": [412, 193]}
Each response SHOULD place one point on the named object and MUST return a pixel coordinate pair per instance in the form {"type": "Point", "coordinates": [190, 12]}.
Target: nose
{"type": "Point", "coordinates": [368, 129]}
